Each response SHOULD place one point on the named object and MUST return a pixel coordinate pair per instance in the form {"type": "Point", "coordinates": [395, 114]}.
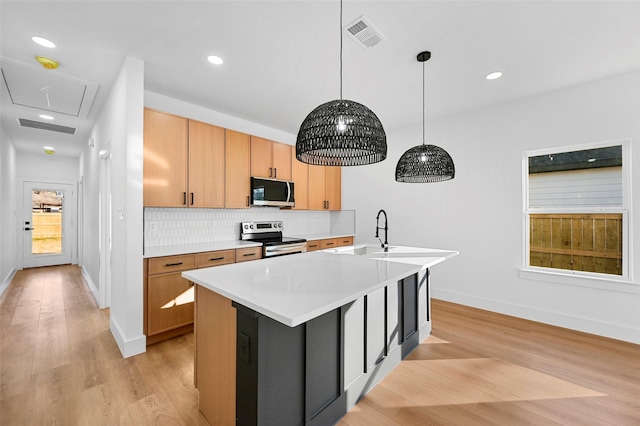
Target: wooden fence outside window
{"type": "Point", "coordinates": [577, 242]}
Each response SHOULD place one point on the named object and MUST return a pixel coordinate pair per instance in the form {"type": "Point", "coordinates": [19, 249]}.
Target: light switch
{"type": "Point", "coordinates": [153, 226]}
{"type": "Point", "coordinates": [121, 212]}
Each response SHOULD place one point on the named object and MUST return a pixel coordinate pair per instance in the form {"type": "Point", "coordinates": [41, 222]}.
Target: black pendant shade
{"type": "Point", "coordinates": [341, 133]}
{"type": "Point", "coordinates": [425, 163]}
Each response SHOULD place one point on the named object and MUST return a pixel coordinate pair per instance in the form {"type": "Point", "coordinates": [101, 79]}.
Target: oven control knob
{"type": "Point", "coordinates": [279, 225]}
{"type": "Point", "coordinates": [251, 226]}
{"type": "Point", "coordinates": [246, 226]}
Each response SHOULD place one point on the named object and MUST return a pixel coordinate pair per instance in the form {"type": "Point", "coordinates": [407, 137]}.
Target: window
{"type": "Point", "coordinates": [576, 209]}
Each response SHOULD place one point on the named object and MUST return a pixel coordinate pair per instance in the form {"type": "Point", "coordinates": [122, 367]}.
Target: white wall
{"type": "Point", "coordinates": [479, 213]}
{"type": "Point", "coordinates": [119, 127]}
{"type": "Point", "coordinates": [47, 167]}
{"type": "Point", "coordinates": [195, 112]}
{"type": "Point", "coordinates": [8, 224]}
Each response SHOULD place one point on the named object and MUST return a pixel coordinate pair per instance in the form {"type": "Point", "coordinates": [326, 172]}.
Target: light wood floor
{"type": "Point", "coordinates": [60, 365]}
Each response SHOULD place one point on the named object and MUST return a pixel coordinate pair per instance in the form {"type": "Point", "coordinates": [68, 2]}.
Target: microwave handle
{"type": "Point", "coordinates": [288, 191]}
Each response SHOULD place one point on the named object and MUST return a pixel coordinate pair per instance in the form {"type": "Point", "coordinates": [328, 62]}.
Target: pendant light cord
{"type": "Point", "coordinates": [423, 127]}
{"type": "Point", "coordinates": [340, 49]}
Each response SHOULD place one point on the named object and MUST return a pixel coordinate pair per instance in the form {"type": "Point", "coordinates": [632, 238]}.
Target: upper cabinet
{"type": "Point", "coordinates": [325, 188]}
{"type": "Point", "coordinates": [206, 165]}
{"type": "Point", "coordinates": [270, 159]}
{"type": "Point", "coordinates": [300, 178]}
{"type": "Point", "coordinates": [238, 170]}
{"type": "Point", "coordinates": [183, 162]}
{"type": "Point", "coordinates": [165, 159]}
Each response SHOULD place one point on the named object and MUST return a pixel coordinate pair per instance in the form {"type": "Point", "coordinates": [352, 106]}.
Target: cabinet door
{"type": "Point", "coordinates": [261, 165]}
{"type": "Point", "coordinates": [317, 201]}
{"type": "Point", "coordinates": [300, 177]}
{"type": "Point", "coordinates": [169, 302]}
{"type": "Point", "coordinates": [281, 161]}
{"type": "Point", "coordinates": [206, 165]}
{"type": "Point", "coordinates": [237, 169]}
{"type": "Point", "coordinates": [165, 159]}
{"type": "Point", "coordinates": [333, 188]}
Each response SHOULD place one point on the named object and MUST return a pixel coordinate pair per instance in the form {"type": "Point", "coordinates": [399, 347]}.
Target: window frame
{"type": "Point", "coordinates": [560, 275]}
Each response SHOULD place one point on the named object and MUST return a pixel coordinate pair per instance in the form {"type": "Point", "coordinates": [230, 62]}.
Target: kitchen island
{"type": "Point", "coordinates": [300, 339]}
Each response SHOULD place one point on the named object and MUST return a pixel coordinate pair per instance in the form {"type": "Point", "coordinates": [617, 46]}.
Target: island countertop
{"type": "Point", "coordinates": [295, 289]}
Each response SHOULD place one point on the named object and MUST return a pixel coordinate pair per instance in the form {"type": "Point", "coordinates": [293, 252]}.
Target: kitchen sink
{"type": "Point", "coordinates": [400, 254]}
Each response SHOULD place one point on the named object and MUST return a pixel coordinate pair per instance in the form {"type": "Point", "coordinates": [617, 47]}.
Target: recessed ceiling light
{"type": "Point", "coordinates": [45, 117]}
{"type": "Point", "coordinates": [493, 75]}
{"type": "Point", "coordinates": [43, 42]}
{"type": "Point", "coordinates": [216, 60]}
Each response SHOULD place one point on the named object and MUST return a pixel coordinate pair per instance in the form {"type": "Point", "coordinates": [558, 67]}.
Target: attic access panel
{"type": "Point", "coordinates": [48, 90]}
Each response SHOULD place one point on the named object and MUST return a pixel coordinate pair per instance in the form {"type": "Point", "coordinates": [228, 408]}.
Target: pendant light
{"type": "Point", "coordinates": [341, 132]}
{"type": "Point", "coordinates": [425, 163]}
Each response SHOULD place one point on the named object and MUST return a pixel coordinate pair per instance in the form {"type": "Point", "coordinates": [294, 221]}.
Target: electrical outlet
{"type": "Point", "coordinates": [212, 223]}
{"type": "Point", "coordinates": [153, 226]}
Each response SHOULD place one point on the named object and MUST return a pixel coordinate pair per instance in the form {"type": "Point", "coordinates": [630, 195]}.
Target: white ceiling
{"type": "Point", "coordinates": [282, 57]}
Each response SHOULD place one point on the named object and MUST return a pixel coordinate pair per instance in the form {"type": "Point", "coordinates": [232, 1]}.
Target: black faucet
{"type": "Point", "coordinates": [384, 245]}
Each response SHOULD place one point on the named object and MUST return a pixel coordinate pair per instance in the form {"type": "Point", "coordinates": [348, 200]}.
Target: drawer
{"type": "Point", "coordinates": [345, 241]}
{"type": "Point", "coordinates": [215, 258]}
{"type": "Point", "coordinates": [162, 265]}
{"type": "Point", "coordinates": [313, 245]}
{"type": "Point", "coordinates": [252, 253]}
{"type": "Point", "coordinates": [329, 243]}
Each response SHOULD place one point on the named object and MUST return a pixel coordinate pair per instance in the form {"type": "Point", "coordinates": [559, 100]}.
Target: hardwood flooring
{"type": "Point", "coordinates": [59, 364]}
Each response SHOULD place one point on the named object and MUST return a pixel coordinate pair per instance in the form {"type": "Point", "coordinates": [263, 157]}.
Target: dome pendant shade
{"type": "Point", "coordinates": [424, 164]}
{"type": "Point", "coordinates": [341, 133]}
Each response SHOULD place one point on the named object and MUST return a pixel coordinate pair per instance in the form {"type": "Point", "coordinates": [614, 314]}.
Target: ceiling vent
{"type": "Point", "coordinates": [46, 126]}
{"type": "Point", "coordinates": [363, 32]}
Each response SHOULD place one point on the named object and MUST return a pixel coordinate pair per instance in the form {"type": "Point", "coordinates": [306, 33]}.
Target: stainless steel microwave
{"type": "Point", "coordinates": [272, 192]}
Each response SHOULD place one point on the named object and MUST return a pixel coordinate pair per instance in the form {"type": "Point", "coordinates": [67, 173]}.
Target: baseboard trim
{"type": "Point", "coordinates": [5, 283]}
{"type": "Point", "coordinates": [128, 347]}
{"type": "Point", "coordinates": [586, 325]}
{"type": "Point", "coordinates": [92, 286]}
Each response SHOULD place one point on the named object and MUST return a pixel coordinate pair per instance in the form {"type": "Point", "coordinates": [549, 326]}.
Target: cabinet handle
{"type": "Point", "coordinates": [184, 198]}
{"type": "Point", "coordinates": [216, 258]}
{"type": "Point", "coordinates": [330, 244]}
{"type": "Point", "coordinates": [327, 204]}
{"type": "Point", "coordinates": [247, 201]}
{"type": "Point", "coordinates": [173, 264]}
{"type": "Point", "coordinates": [192, 198]}
{"type": "Point", "coordinates": [270, 171]}
{"type": "Point", "coordinates": [249, 254]}
{"type": "Point", "coordinates": [275, 172]}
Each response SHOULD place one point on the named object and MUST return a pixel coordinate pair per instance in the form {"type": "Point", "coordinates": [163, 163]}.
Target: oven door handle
{"type": "Point", "coordinates": [288, 248]}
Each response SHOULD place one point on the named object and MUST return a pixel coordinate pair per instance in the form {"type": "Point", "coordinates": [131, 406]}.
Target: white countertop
{"type": "Point", "coordinates": [222, 245]}
{"type": "Point", "coordinates": [197, 248]}
{"type": "Point", "coordinates": [295, 289]}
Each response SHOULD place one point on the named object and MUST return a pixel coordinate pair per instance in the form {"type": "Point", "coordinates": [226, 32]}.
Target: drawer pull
{"type": "Point", "coordinates": [330, 244]}
{"type": "Point", "coordinates": [216, 258]}
{"type": "Point", "coordinates": [249, 254]}
{"type": "Point", "coordinates": [173, 264]}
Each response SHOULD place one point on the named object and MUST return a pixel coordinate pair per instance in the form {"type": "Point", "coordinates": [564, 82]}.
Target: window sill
{"type": "Point", "coordinates": [568, 278]}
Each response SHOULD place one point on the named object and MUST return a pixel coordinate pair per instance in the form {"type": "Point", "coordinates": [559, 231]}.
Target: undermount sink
{"type": "Point", "coordinates": [401, 254]}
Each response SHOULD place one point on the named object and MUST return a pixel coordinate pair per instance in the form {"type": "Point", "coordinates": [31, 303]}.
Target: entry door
{"type": "Point", "coordinates": [47, 224]}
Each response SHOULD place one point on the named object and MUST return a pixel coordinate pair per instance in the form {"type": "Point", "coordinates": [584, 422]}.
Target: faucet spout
{"type": "Point", "coordinates": [384, 245]}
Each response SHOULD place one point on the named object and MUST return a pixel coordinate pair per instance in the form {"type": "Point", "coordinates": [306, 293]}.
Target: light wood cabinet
{"type": "Point", "coordinates": [325, 188]}
{"type": "Point", "coordinates": [270, 159]}
{"type": "Point", "coordinates": [206, 165]}
{"type": "Point", "coordinates": [215, 258]}
{"type": "Point", "coordinates": [327, 243]}
{"type": "Point", "coordinates": [165, 159]}
{"type": "Point", "coordinates": [168, 297]}
{"type": "Point", "coordinates": [183, 162]}
{"type": "Point", "coordinates": [250, 253]}
{"type": "Point", "coordinates": [300, 178]}
{"type": "Point", "coordinates": [237, 170]}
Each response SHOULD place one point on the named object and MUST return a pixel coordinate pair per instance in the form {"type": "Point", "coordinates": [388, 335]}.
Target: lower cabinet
{"type": "Point", "coordinates": [169, 298]}
{"type": "Point", "coordinates": [329, 243]}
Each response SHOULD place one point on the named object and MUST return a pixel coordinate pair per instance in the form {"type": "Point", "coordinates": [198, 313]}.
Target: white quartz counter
{"type": "Point", "coordinates": [295, 289]}
{"type": "Point", "coordinates": [197, 248]}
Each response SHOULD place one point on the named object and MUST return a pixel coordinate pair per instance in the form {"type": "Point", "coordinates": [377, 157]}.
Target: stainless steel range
{"type": "Point", "coordinates": [270, 235]}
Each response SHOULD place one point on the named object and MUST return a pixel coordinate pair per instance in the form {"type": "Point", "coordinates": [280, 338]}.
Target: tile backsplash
{"type": "Point", "coordinates": [175, 226]}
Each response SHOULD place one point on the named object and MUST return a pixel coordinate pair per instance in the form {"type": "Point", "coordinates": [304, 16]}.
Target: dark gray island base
{"type": "Point", "coordinates": [312, 374]}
